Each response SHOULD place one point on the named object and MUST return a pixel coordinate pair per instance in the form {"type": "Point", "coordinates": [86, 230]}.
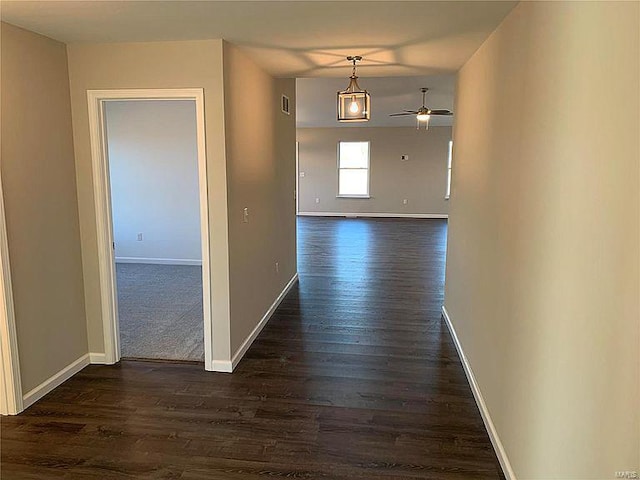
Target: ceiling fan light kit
{"type": "Point", "coordinates": [424, 113]}
{"type": "Point", "coordinates": [354, 103]}
{"type": "Point", "coordinates": [422, 118]}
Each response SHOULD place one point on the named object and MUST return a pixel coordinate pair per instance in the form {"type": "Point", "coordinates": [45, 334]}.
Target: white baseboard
{"type": "Point", "coordinates": [55, 380]}
{"type": "Point", "coordinates": [224, 366]}
{"type": "Point", "coordinates": [373, 215]}
{"type": "Point", "coordinates": [159, 261]}
{"type": "Point", "coordinates": [477, 394]}
{"type": "Point", "coordinates": [256, 331]}
{"type": "Point", "coordinates": [97, 358]}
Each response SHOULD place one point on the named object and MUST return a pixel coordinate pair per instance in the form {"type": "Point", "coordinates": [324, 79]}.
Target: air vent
{"type": "Point", "coordinates": [284, 105]}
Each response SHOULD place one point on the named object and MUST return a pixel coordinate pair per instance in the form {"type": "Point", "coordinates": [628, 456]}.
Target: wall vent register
{"type": "Point", "coordinates": [284, 105]}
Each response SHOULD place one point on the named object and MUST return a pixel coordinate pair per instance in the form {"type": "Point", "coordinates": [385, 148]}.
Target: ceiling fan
{"type": "Point", "coordinates": [424, 113]}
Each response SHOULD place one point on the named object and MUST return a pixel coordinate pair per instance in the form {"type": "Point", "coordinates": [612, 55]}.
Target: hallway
{"type": "Point", "coordinates": [354, 377]}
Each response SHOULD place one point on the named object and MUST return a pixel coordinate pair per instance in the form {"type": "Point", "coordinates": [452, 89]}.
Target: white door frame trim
{"type": "Point", "coordinates": [10, 382]}
{"type": "Point", "coordinates": [102, 198]}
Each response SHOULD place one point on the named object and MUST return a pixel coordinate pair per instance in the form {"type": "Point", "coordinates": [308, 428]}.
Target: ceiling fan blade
{"type": "Point", "coordinates": [401, 114]}
{"type": "Point", "coordinates": [440, 112]}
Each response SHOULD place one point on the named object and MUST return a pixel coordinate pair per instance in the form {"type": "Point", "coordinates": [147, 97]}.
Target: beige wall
{"type": "Point", "coordinates": [260, 148]}
{"type": "Point", "coordinates": [188, 64]}
{"type": "Point", "coordinates": [38, 179]}
{"type": "Point", "coordinates": [258, 174]}
{"type": "Point", "coordinates": [542, 280]}
{"type": "Point", "coordinates": [421, 180]}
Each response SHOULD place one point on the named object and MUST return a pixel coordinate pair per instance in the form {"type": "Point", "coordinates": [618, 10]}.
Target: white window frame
{"type": "Point", "coordinates": [447, 193]}
{"type": "Point", "coordinates": [344, 195]}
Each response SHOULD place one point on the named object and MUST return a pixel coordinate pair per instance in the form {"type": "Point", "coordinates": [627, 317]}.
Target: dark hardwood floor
{"type": "Point", "coordinates": [354, 377]}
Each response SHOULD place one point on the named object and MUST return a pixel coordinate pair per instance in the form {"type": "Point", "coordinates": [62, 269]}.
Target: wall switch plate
{"type": "Point", "coordinates": [317, 200]}
{"type": "Point", "coordinates": [245, 215]}
{"type": "Point", "coordinates": [277, 267]}
{"type": "Point", "coordinates": [404, 158]}
{"type": "Point", "coordinates": [301, 174]}
{"type": "Point", "coordinates": [140, 237]}
{"type": "Point", "coordinates": [405, 201]}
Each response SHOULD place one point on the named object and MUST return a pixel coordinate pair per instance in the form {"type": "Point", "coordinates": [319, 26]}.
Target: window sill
{"type": "Point", "coordinates": [353, 196]}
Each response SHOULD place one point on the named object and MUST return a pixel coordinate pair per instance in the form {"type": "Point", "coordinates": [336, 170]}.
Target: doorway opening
{"type": "Point", "coordinates": [153, 230]}
{"type": "Point", "coordinates": [153, 175]}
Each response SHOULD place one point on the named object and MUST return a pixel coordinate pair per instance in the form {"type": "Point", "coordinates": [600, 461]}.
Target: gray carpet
{"type": "Point", "coordinates": [160, 310]}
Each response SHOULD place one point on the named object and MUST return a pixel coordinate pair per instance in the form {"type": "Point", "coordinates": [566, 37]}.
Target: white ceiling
{"type": "Point", "coordinates": [294, 39]}
{"type": "Point", "coordinates": [316, 100]}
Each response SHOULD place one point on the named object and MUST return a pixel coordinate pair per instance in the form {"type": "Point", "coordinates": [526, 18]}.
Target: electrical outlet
{"type": "Point", "coordinates": [245, 215]}
{"type": "Point", "coordinates": [140, 237]}
{"type": "Point", "coordinates": [317, 200]}
{"type": "Point", "coordinates": [405, 201]}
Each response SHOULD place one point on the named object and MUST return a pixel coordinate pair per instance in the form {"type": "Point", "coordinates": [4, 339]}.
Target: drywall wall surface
{"type": "Point", "coordinates": [542, 280]}
{"type": "Point", "coordinates": [153, 166]}
{"type": "Point", "coordinates": [185, 64]}
{"type": "Point", "coordinates": [421, 180]}
{"type": "Point", "coordinates": [261, 178]}
{"type": "Point", "coordinates": [39, 186]}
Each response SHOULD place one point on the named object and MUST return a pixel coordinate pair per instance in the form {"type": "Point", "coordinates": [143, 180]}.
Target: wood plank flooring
{"type": "Point", "coordinates": [355, 377]}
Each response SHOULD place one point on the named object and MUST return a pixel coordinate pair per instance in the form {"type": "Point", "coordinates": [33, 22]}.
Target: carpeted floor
{"type": "Point", "coordinates": [160, 310]}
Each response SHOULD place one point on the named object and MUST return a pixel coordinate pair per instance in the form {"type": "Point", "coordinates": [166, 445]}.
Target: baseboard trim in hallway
{"type": "Point", "coordinates": [57, 379]}
{"type": "Point", "coordinates": [373, 215]}
{"type": "Point", "coordinates": [97, 358]}
{"type": "Point", "coordinates": [477, 394]}
{"type": "Point", "coordinates": [256, 331]}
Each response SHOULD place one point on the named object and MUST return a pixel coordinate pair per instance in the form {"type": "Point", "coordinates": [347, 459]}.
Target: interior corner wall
{"type": "Point", "coordinates": [182, 64]}
{"type": "Point", "coordinates": [260, 148]}
{"type": "Point", "coordinates": [542, 280]}
{"type": "Point", "coordinates": [39, 186]}
{"type": "Point", "coordinates": [421, 180]}
{"type": "Point", "coordinates": [153, 168]}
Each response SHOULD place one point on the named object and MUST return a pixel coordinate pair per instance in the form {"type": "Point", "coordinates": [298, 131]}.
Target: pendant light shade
{"type": "Point", "coordinates": [354, 103]}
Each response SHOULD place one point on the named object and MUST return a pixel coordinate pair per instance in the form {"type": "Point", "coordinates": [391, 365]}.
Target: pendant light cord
{"type": "Point", "coordinates": [353, 79]}
{"type": "Point", "coordinates": [354, 59]}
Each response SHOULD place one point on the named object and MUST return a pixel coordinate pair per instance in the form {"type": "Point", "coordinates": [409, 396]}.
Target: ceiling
{"type": "Point", "coordinates": [316, 105]}
{"type": "Point", "coordinates": [289, 39]}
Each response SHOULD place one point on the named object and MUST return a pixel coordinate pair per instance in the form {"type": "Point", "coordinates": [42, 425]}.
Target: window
{"type": "Point", "coordinates": [353, 169]}
{"type": "Point", "coordinates": [448, 192]}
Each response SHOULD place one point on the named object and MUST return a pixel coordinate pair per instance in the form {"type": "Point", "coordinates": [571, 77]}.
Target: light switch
{"type": "Point", "coordinates": [245, 215]}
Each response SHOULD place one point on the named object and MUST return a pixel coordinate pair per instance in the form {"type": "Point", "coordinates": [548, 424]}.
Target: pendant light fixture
{"type": "Point", "coordinates": [354, 104]}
